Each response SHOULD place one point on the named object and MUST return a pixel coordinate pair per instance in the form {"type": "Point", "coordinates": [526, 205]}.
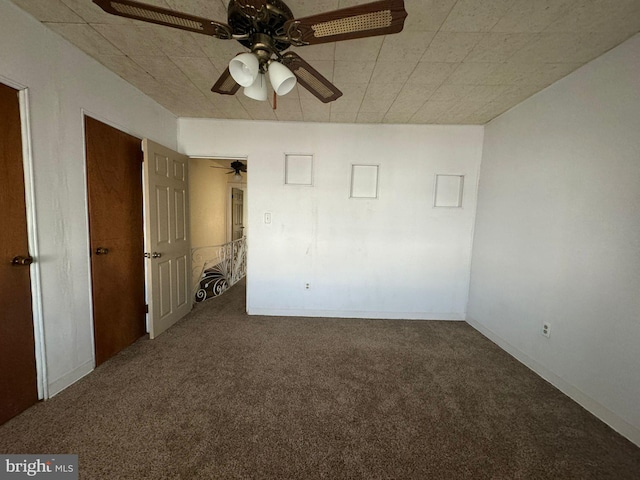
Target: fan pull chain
{"type": "Point", "coordinates": [275, 100]}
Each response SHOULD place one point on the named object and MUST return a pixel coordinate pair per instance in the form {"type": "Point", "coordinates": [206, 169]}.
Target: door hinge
{"type": "Point", "coordinates": [146, 308]}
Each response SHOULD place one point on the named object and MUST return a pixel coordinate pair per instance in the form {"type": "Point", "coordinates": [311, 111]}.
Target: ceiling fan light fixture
{"type": "Point", "coordinates": [244, 69]}
{"type": "Point", "coordinates": [282, 79]}
{"type": "Point", "coordinates": [267, 28]}
{"type": "Point", "coordinates": [258, 89]}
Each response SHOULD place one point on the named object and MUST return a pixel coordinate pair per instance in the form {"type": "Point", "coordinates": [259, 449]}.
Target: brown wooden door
{"type": "Point", "coordinates": [114, 182]}
{"type": "Point", "coordinates": [18, 380]}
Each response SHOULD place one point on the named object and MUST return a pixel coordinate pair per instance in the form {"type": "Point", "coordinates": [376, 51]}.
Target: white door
{"type": "Point", "coordinates": [167, 241]}
{"type": "Point", "coordinates": [237, 213]}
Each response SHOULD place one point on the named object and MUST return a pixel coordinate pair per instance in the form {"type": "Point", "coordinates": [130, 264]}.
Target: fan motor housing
{"type": "Point", "coordinates": [245, 19]}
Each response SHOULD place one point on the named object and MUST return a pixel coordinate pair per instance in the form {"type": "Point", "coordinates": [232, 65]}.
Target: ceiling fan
{"type": "Point", "coordinates": [236, 167]}
{"type": "Point", "coordinates": [268, 28]}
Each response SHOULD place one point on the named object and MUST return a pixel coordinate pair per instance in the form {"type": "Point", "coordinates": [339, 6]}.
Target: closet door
{"type": "Point", "coordinates": [18, 377]}
{"type": "Point", "coordinates": [116, 228]}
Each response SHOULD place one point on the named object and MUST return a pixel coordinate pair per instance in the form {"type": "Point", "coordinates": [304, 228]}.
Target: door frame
{"type": "Point", "coordinates": [245, 189]}
{"type": "Point", "coordinates": [32, 236]}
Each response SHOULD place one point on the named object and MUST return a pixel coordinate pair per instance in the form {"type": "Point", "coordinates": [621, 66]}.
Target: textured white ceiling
{"type": "Point", "coordinates": [455, 62]}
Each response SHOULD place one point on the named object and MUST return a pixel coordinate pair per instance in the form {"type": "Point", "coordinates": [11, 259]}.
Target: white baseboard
{"type": "Point", "coordinates": [603, 413]}
{"type": "Point", "coordinates": [276, 312]}
{"type": "Point", "coordinates": [70, 378]}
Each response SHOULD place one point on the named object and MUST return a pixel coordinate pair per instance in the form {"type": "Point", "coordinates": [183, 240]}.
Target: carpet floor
{"type": "Point", "coordinates": [230, 396]}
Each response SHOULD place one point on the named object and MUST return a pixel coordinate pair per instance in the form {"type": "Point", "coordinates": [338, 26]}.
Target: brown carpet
{"type": "Point", "coordinates": [224, 395]}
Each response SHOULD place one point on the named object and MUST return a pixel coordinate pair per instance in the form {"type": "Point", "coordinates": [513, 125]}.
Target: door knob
{"type": "Point", "coordinates": [20, 261]}
{"type": "Point", "coordinates": [102, 251]}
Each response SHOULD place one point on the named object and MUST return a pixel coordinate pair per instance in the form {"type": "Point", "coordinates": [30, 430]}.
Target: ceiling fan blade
{"type": "Point", "coordinates": [368, 20]}
{"type": "Point", "coordinates": [310, 78]}
{"type": "Point", "coordinates": [164, 16]}
{"type": "Point", "coordinates": [226, 85]}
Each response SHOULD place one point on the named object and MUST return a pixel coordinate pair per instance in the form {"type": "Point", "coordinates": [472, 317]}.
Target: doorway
{"type": "Point", "coordinates": [18, 372]}
{"type": "Point", "coordinates": [218, 193]}
{"type": "Point", "coordinates": [116, 237]}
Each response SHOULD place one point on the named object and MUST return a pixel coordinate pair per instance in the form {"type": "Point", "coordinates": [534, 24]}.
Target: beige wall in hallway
{"type": "Point", "coordinates": [208, 193]}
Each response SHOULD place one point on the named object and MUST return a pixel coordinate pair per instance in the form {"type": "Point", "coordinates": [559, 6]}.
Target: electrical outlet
{"type": "Point", "coordinates": [307, 286]}
{"type": "Point", "coordinates": [546, 329]}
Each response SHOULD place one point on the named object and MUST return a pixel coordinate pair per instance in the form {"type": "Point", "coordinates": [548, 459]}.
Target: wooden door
{"type": "Point", "coordinates": [18, 377]}
{"type": "Point", "coordinates": [168, 247]}
{"type": "Point", "coordinates": [114, 182]}
{"type": "Point", "coordinates": [237, 213]}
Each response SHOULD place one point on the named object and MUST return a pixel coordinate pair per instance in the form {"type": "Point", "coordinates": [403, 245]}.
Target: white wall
{"type": "Point", "coordinates": [61, 82]}
{"type": "Point", "coordinates": [394, 257]}
{"type": "Point", "coordinates": [558, 236]}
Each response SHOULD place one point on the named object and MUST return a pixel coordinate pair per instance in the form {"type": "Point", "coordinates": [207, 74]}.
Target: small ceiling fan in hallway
{"type": "Point", "coordinates": [236, 168]}
{"type": "Point", "coordinates": [268, 28]}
